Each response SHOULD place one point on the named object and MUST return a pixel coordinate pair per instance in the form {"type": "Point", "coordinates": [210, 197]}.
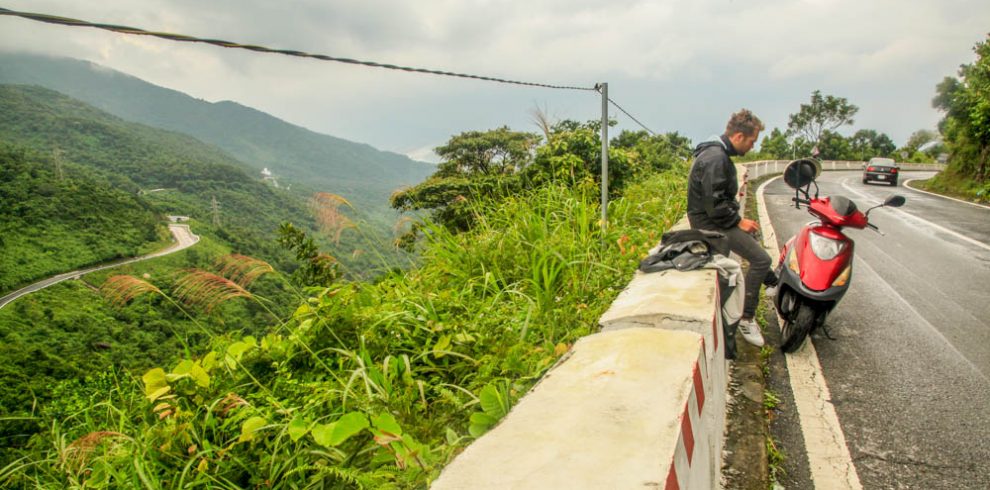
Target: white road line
{"type": "Point", "coordinates": [922, 220]}
{"type": "Point", "coordinates": [828, 456]}
{"type": "Point", "coordinates": [906, 182]}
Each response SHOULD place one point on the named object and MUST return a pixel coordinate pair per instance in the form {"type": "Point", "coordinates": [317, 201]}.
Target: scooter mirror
{"type": "Point", "coordinates": [800, 173]}
{"type": "Point", "coordinates": [894, 201]}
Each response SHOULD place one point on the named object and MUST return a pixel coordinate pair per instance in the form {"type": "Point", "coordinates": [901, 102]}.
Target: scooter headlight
{"type": "Point", "coordinates": [825, 248]}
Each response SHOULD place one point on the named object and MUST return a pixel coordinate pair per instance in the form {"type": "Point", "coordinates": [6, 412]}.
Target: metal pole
{"type": "Point", "coordinates": [604, 90]}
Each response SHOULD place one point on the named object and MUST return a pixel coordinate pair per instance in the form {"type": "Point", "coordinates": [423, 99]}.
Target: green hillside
{"type": "Point", "coordinates": [56, 217]}
{"type": "Point", "coordinates": [308, 161]}
{"type": "Point", "coordinates": [134, 157]}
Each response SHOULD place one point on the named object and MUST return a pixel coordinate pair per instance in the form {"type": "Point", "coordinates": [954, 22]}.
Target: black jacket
{"type": "Point", "coordinates": [712, 187]}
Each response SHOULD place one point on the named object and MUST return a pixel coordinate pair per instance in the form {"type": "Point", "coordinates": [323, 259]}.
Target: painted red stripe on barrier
{"type": "Point", "coordinates": [687, 433]}
{"type": "Point", "coordinates": [672, 478]}
{"type": "Point", "coordinates": [699, 388]}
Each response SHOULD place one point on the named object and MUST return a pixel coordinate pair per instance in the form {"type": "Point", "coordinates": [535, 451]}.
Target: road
{"type": "Point", "coordinates": [184, 238]}
{"type": "Point", "coordinates": [909, 371]}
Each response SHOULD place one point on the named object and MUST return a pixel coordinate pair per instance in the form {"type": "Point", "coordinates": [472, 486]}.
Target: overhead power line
{"type": "Point", "coordinates": [617, 106]}
{"type": "Point", "coordinates": [52, 19]}
{"type": "Point", "coordinates": [66, 21]}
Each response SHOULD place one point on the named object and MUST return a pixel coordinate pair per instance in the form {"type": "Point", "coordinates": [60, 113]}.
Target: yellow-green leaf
{"type": "Point", "coordinates": [154, 395]}
{"type": "Point", "coordinates": [441, 346]}
{"type": "Point", "coordinates": [298, 428]}
{"type": "Point", "coordinates": [386, 422]}
{"type": "Point", "coordinates": [250, 427]}
{"type": "Point", "coordinates": [154, 380]}
{"type": "Point", "coordinates": [200, 376]}
{"type": "Point", "coordinates": [322, 433]}
{"type": "Point", "coordinates": [344, 428]}
{"type": "Point", "coordinates": [209, 361]}
{"type": "Point", "coordinates": [183, 368]}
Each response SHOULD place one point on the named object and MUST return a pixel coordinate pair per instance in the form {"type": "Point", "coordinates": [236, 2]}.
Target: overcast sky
{"type": "Point", "coordinates": [677, 65]}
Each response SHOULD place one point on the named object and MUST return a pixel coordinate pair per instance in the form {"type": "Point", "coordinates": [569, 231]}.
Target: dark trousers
{"type": "Point", "coordinates": [746, 246]}
{"type": "Point", "coordinates": [759, 273]}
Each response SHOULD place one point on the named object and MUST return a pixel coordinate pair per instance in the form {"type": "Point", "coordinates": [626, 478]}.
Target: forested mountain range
{"type": "Point", "coordinates": [309, 161]}
{"type": "Point", "coordinates": [117, 160]}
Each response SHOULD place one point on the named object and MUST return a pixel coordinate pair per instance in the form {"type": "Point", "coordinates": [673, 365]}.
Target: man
{"type": "Point", "coordinates": [712, 205]}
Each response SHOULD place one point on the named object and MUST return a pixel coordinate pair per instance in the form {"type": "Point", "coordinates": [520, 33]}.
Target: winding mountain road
{"type": "Point", "coordinates": [184, 238]}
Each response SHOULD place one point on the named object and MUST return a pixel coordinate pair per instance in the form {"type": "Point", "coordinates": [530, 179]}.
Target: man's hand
{"type": "Point", "coordinates": [748, 225]}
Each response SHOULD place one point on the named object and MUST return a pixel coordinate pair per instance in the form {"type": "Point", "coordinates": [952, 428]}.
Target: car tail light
{"type": "Point", "coordinates": [893, 170]}
{"type": "Point", "coordinates": [870, 169]}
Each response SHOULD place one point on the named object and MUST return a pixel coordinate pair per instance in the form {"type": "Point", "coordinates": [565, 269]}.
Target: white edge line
{"type": "Point", "coordinates": [906, 182]}
{"type": "Point", "coordinates": [828, 456]}
{"type": "Point", "coordinates": [929, 223]}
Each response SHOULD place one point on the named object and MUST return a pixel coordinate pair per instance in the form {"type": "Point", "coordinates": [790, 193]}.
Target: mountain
{"type": "Point", "coordinates": [298, 156]}
{"type": "Point", "coordinates": [131, 157]}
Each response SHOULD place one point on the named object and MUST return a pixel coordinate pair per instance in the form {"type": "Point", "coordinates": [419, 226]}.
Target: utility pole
{"type": "Point", "coordinates": [216, 212]}
{"type": "Point", "coordinates": [603, 88]}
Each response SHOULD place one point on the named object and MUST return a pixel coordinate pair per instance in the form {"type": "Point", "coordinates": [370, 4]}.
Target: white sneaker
{"type": "Point", "coordinates": [751, 332]}
{"type": "Point", "coordinates": [771, 291]}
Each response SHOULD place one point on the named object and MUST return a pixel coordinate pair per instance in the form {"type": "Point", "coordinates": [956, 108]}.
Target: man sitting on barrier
{"type": "Point", "coordinates": [712, 205]}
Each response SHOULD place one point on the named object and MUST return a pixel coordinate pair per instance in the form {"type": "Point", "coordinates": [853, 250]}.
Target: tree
{"type": "Point", "coordinates": [834, 146]}
{"type": "Point", "coordinates": [475, 164]}
{"type": "Point", "coordinates": [824, 113]}
{"type": "Point", "coordinates": [497, 151]}
{"type": "Point", "coordinates": [868, 143]}
{"type": "Point", "coordinates": [657, 152]}
{"type": "Point", "coordinates": [966, 126]}
{"type": "Point", "coordinates": [775, 146]}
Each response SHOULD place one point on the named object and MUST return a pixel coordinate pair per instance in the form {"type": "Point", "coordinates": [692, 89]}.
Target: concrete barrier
{"type": "Point", "coordinates": [630, 408]}
{"type": "Point", "coordinates": [641, 404]}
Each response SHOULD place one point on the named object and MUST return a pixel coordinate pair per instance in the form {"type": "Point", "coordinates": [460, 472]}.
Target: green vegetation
{"type": "Point", "coordinates": [56, 218]}
{"type": "Point", "coordinates": [966, 129]}
{"type": "Point", "coordinates": [184, 175]}
{"type": "Point", "coordinates": [501, 163]}
{"type": "Point", "coordinates": [365, 384]}
{"type": "Point", "coordinates": [56, 341]}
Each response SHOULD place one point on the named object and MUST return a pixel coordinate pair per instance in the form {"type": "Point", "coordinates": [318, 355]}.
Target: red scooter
{"type": "Point", "coordinates": [815, 266]}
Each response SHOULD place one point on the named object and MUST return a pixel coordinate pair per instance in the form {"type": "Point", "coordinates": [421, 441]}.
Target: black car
{"type": "Point", "coordinates": [881, 170]}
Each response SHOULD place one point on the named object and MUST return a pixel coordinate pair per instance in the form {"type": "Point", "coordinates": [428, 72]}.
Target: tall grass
{"type": "Point", "coordinates": [368, 385]}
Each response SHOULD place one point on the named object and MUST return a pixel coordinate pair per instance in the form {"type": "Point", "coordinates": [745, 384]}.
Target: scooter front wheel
{"type": "Point", "coordinates": [796, 329]}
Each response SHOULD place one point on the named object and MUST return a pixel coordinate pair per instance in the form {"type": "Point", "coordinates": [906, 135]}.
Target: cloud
{"type": "Point", "coordinates": [677, 65]}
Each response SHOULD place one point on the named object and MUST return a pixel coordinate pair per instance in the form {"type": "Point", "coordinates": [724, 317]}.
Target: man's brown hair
{"type": "Point", "coordinates": [744, 122]}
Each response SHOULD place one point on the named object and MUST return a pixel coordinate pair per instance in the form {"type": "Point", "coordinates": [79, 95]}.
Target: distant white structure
{"type": "Point", "coordinates": [266, 175]}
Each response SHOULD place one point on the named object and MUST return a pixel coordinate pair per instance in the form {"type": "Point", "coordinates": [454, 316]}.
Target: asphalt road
{"type": "Point", "coordinates": [184, 238]}
{"type": "Point", "coordinates": [909, 371]}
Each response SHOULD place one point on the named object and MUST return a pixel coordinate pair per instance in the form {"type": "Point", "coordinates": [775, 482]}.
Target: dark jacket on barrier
{"type": "Point", "coordinates": [712, 186]}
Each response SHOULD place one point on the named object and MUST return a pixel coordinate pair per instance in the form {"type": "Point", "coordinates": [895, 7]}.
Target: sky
{"type": "Point", "coordinates": [676, 65]}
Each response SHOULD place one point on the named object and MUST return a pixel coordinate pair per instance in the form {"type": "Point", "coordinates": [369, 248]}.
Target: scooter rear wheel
{"type": "Point", "coordinates": [796, 329]}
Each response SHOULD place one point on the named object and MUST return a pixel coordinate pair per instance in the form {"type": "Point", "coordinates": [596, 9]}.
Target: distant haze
{"type": "Point", "coordinates": [676, 65]}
